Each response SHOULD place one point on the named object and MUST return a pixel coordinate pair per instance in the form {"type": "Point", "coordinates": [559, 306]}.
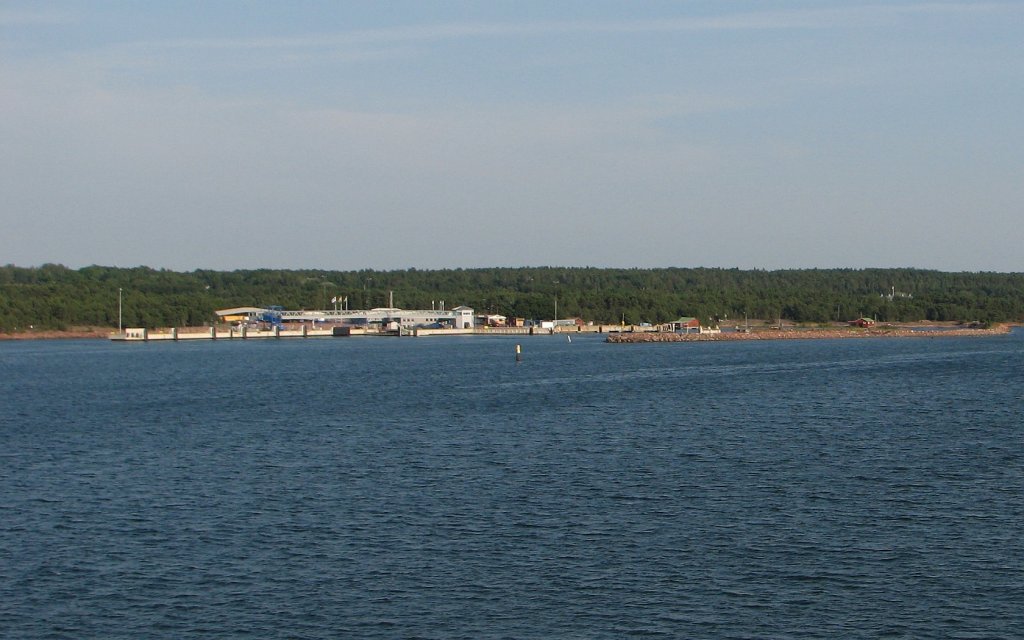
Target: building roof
{"type": "Point", "coordinates": [240, 311]}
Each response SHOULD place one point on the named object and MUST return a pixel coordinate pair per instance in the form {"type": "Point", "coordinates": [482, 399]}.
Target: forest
{"type": "Point", "coordinates": [53, 296]}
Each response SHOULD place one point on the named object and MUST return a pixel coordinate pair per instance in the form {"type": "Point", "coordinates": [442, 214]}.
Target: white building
{"type": "Point", "coordinates": [381, 317]}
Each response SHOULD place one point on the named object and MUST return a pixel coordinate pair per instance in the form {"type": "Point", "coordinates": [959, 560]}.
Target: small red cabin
{"type": "Point", "coordinates": [686, 324]}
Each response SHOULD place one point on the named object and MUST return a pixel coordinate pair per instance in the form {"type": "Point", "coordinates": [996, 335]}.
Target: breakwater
{"type": "Point", "coordinates": [808, 334]}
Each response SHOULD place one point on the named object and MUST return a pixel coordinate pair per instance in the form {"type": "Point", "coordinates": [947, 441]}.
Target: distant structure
{"type": "Point", "coordinates": [894, 294]}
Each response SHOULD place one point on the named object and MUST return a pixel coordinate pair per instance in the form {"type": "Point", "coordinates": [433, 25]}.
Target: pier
{"type": "Point", "coordinates": [214, 333]}
{"type": "Point", "coordinates": [139, 334]}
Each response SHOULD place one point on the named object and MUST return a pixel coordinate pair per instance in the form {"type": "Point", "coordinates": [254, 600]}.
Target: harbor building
{"type": "Point", "coordinates": [381, 318]}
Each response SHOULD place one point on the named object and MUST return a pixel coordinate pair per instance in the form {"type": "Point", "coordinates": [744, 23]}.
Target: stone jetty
{"type": "Point", "coordinates": [809, 334]}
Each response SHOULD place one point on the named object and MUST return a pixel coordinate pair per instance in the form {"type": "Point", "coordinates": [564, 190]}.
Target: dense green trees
{"type": "Point", "coordinates": [53, 296]}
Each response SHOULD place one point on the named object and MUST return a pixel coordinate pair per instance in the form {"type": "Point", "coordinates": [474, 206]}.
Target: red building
{"type": "Point", "coordinates": [686, 325]}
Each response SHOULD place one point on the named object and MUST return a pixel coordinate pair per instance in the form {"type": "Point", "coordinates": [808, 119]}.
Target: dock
{"type": "Point", "coordinates": [214, 333]}
{"type": "Point", "coordinates": [138, 334]}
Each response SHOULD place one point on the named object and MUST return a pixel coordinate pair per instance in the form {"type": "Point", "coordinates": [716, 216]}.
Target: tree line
{"type": "Point", "coordinates": [56, 297]}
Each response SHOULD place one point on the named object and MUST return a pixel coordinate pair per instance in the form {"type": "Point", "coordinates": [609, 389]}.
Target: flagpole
{"type": "Point", "coordinates": [119, 309]}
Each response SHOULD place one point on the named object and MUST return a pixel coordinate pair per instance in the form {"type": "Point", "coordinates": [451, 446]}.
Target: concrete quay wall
{"type": "Point", "coordinates": [180, 335]}
{"type": "Point", "coordinates": [136, 334]}
{"type": "Point", "coordinates": [516, 331]}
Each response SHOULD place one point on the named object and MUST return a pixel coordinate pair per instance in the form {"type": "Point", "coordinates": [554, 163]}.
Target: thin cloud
{"type": "Point", "coordinates": [16, 18]}
{"type": "Point", "coordinates": [848, 16]}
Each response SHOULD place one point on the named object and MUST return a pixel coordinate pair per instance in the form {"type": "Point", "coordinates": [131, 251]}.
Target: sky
{"type": "Point", "coordinates": [389, 135]}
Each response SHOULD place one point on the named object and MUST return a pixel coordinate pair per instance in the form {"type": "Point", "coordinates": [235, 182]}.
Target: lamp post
{"type": "Point", "coordinates": [554, 323]}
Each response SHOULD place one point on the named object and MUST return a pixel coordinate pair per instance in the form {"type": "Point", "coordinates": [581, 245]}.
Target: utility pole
{"type": "Point", "coordinates": [554, 323]}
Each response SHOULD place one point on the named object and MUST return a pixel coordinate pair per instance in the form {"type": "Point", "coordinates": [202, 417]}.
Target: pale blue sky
{"type": "Point", "coordinates": [349, 135]}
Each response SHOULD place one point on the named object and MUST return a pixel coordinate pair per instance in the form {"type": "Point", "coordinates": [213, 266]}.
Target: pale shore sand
{"type": "Point", "coordinates": [77, 333]}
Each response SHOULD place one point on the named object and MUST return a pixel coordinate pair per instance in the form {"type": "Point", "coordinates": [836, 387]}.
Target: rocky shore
{"type": "Point", "coordinates": [809, 334]}
{"type": "Point", "coordinates": [77, 333]}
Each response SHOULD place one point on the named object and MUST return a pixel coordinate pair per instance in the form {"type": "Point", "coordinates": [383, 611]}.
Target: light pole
{"type": "Point", "coordinates": [554, 323]}
{"type": "Point", "coordinates": [119, 307]}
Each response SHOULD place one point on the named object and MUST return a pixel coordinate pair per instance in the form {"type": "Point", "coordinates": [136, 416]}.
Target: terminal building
{"type": "Point", "coordinates": [381, 318]}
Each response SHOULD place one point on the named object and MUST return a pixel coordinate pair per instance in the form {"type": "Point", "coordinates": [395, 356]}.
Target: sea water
{"type": "Point", "coordinates": [438, 488]}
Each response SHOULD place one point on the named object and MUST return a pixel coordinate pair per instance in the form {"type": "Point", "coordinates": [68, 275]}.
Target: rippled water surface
{"type": "Point", "coordinates": [434, 488]}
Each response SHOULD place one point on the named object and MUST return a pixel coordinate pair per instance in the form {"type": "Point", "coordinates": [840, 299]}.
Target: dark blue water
{"type": "Point", "coordinates": [434, 488]}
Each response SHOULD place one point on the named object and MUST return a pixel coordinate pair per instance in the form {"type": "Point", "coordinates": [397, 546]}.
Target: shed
{"type": "Point", "coordinates": [686, 324]}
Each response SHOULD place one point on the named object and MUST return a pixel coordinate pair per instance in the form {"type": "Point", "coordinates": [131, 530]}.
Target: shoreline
{"type": "Point", "coordinates": [908, 331]}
